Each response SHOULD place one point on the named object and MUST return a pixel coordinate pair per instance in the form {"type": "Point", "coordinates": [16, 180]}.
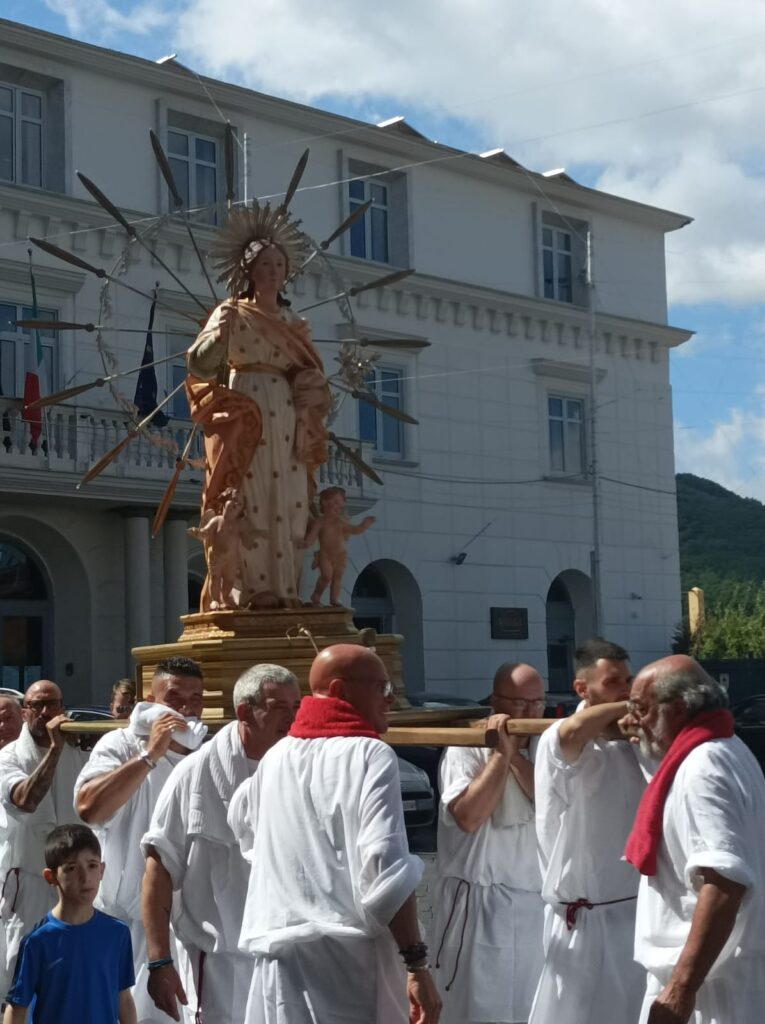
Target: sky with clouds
{"type": "Point", "coordinates": [659, 102]}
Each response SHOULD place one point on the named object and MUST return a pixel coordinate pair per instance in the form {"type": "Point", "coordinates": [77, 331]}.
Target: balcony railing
{"type": "Point", "coordinates": [74, 438]}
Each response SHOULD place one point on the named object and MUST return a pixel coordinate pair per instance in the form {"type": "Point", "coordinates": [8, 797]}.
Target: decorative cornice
{"type": "Point", "coordinates": [50, 278]}
{"type": "Point", "coordinates": [429, 299]}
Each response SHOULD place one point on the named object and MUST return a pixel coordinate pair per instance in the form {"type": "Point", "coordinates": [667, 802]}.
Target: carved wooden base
{"type": "Point", "coordinates": [225, 643]}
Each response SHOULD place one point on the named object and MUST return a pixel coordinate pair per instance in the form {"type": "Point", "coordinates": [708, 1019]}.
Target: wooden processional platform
{"type": "Point", "coordinates": [225, 643]}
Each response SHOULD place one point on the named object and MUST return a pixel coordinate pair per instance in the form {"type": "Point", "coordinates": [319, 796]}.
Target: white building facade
{"type": "Point", "coordinates": [483, 549]}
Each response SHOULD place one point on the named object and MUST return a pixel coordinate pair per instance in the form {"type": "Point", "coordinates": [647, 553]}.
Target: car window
{"type": "Point", "coordinates": [752, 713]}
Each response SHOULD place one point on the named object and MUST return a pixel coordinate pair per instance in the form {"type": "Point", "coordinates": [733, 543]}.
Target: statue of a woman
{"type": "Point", "coordinates": [256, 385]}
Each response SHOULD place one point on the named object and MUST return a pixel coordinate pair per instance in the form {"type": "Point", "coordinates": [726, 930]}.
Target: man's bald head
{"type": "Point", "coordinates": [518, 691]}
{"type": "Point", "coordinates": [340, 661]}
{"type": "Point", "coordinates": [357, 675]}
{"type": "Point", "coordinates": [43, 689]}
{"type": "Point", "coordinates": [42, 702]}
{"type": "Point", "coordinates": [669, 693]}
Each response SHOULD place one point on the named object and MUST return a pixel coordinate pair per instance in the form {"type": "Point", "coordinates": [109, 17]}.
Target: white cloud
{"type": "Point", "coordinates": [105, 20]}
{"type": "Point", "coordinates": [731, 451]}
{"type": "Point", "coordinates": [522, 71]}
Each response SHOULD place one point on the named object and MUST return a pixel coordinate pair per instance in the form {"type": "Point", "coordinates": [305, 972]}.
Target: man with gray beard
{"type": "Point", "coordinates": [699, 844]}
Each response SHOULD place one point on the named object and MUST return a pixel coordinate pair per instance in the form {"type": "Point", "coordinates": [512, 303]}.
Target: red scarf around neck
{"type": "Point", "coordinates": [319, 717]}
{"type": "Point", "coordinates": [643, 841]}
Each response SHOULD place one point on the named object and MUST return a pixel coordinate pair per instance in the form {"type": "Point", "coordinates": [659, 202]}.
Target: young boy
{"type": "Point", "coordinates": [76, 965]}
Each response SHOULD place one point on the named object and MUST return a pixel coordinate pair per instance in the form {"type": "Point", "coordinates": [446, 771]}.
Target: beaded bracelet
{"type": "Point", "coordinates": [416, 968]}
{"type": "Point", "coordinates": [411, 954]}
{"type": "Point", "coordinates": [154, 965]}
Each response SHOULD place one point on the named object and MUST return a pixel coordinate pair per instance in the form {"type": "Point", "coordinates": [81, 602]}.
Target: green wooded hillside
{"type": "Point", "coordinates": [722, 539]}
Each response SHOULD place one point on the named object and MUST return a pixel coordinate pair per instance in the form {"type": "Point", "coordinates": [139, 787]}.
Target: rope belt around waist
{"type": "Point", "coordinates": [275, 371]}
{"type": "Point", "coordinates": [572, 909]}
{"type": "Point", "coordinates": [457, 892]}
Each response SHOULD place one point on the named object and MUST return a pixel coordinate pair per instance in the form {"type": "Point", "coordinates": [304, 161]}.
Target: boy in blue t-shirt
{"type": "Point", "coordinates": [76, 965]}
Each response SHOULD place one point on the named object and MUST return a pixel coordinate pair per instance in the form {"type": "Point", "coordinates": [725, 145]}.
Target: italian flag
{"type": "Point", "coordinates": [35, 372]}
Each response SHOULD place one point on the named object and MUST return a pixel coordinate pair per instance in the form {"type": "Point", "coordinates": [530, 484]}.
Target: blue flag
{"type": "Point", "coordinates": [146, 389]}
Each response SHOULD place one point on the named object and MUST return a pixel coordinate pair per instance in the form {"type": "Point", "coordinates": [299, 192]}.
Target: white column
{"type": "Point", "coordinates": [137, 583]}
{"type": "Point", "coordinates": [176, 576]}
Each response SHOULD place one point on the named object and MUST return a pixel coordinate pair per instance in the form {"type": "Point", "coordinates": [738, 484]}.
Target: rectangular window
{"type": "Point", "coordinates": [557, 267]}
{"type": "Point", "coordinates": [21, 136]}
{"type": "Point", "coordinates": [369, 238]}
{"type": "Point", "coordinates": [565, 418]}
{"type": "Point", "coordinates": [378, 428]}
{"type": "Point", "coordinates": [17, 349]}
{"type": "Point", "coordinates": [194, 163]}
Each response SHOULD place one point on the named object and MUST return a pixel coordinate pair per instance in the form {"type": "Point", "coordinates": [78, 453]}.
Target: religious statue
{"type": "Point", "coordinates": [257, 387]}
{"type": "Point", "coordinates": [221, 533]}
{"type": "Point", "coordinates": [332, 528]}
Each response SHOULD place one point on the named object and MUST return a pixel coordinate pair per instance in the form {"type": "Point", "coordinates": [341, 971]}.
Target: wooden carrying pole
{"type": "Point", "coordinates": [472, 734]}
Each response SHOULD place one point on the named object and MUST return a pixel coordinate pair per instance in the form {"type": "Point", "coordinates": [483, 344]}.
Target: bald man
{"type": "Point", "coordinates": [37, 776]}
{"type": "Point", "coordinates": [488, 916]}
{"type": "Point", "coordinates": [11, 720]}
{"type": "Point", "coordinates": [331, 889]}
{"type": "Point", "coordinates": [700, 930]}
{"type": "Point", "coordinates": [117, 791]}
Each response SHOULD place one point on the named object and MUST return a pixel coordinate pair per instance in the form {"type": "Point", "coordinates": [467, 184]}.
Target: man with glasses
{"type": "Point", "coordinates": [190, 850]}
{"type": "Point", "coordinates": [487, 927]}
{"type": "Point", "coordinates": [588, 786]}
{"type": "Point", "coordinates": [699, 844]}
{"type": "Point", "coordinates": [331, 892]}
{"type": "Point", "coordinates": [37, 776]}
{"type": "Point", "coordinates": [116, 793]}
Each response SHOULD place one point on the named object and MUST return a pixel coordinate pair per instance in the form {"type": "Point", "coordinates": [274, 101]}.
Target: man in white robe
{"type": "Point", "coordinates": [588, 784]}
{"type": "Point", "coordinates": [487, 927]}
{"type": "Point", "coordinates": [191, 850]}
{"type": "Point", "coordinates": [37, 776]}
{"type": "Point", "coordinates": [701, 908]}
{"type": "Point", "coordinates": [331, 892]}
{"type": "Point", "coordinates": [118, 789]}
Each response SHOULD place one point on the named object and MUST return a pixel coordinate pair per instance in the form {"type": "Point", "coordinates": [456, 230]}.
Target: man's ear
{"type": "Point", "coordinates": [336, 689]}
{"type": "Point", "coordinates": [50, 876]}
{"type": "Point", "coordinates": [103, 868]}
{"type": "Point", "coordinates": [580, 689]}
{"type": "Point", "coordinates": [242, 712]}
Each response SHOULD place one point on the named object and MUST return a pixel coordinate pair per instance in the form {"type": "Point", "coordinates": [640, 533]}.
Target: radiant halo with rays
{"type": "Point", "coordinates": [355, 358]}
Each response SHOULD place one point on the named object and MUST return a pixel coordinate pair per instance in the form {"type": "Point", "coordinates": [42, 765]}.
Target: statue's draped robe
{"type": "Point", "coordinates": [257, 388]}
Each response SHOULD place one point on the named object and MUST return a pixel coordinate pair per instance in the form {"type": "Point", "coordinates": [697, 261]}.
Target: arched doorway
{"type": "Point", "coordinates": [569, 622]}
{"type": "Point", "coordinates": [24, 618]}
{"type": "Point", "coordinates": [387, 597]}
{"type": "Point", "coordinates": [371, 601]}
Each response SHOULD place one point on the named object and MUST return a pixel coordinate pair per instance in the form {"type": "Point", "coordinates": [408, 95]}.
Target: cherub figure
{"type": "Point", "coordinates": [331, 529]}
{"type": "Point", "coordinates": [220, 530]}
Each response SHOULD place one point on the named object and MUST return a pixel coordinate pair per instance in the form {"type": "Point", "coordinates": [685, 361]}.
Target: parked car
{"type": "Point", "coordinates": [446, 700]}
{"type": "Point", "coordinates": [416, 794]}
{"type": "Point", "coordinates": [561, 705]}
{"type": "Point", "coordinates": [90, 713]}
{"type": "Point", "coordinates": [749, 718]}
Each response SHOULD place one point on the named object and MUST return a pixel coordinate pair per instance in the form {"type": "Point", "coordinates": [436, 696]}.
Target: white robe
{"type": "Point", "coordinates": [120, 838]}
{"type": "Point", "coordinates": [322, 825]}
{"type": "Point", "coordinates": [190, 833]}
{"type": "Point", "coordinates": [25, 896]}
{"type": "Point", "coordinates": [714, 817]}
{"type": "Point", "coordinates": [486, 941]}
{"type": "Point", "coordinates": [584, 813]}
